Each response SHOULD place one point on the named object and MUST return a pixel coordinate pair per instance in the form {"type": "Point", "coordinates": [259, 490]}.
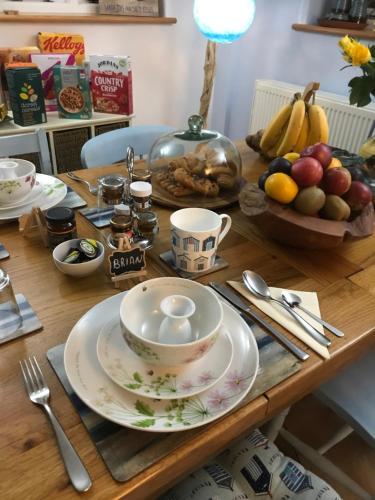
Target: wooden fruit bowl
{"type": "Point", "coordinates": [285, 225]}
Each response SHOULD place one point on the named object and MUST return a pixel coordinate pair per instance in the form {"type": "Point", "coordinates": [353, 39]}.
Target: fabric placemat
{"type": "Point", "coordinates": [126, 452]}
{"type": "Point", "coordinates": [3, 252]}
{"type": "Point", "coordinates": [277, 313]}
{"type": "Point", "coordinates": [30, 323]}
{"type": "Point", "coordinates": [99, 217]}
{"type": "Point", "coordinates": [72, 200]}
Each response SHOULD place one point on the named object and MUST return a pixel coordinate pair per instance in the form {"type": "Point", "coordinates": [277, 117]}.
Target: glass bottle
{"type": "Point", "coordinates": [358, 11]}
{"type": "Point", "coordinates": [61, 225]}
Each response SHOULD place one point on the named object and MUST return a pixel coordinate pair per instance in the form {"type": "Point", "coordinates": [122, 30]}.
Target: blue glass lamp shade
{"type": "Point", "coordinates": [224, 21]}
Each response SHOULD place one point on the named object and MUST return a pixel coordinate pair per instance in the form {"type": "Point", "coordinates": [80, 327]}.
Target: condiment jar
{"type": "Point", "coordinates": [141, 194]}
{"type": "Point", "coordinates": [141, 174]}
{"type": "Point", "coordinates": [61, 225]}
{"type": "Point", "coordinates": [146, 227]}
{"type": "Point", "coordinates": [121, 225]}
{"type": "Point", "coordinates": [110, 190]}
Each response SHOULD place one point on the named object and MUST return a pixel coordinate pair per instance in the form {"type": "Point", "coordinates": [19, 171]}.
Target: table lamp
{"type": "Point", "coordinates": [221, 21]}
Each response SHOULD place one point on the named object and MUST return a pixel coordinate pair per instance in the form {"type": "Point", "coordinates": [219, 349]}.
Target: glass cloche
{"type": "Point", "coordinates": [195, 164]}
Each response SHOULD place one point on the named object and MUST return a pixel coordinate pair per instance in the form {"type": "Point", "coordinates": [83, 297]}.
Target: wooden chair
{"type": "Point", "coordinates": [30, 142]}
{"type": "Point", "coordinates": [351, 396]}
{"type": "Point", "coordinates": [111, 147]}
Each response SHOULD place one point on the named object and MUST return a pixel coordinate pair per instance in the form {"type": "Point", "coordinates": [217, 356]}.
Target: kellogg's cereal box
{"type": "Point", "coordinates": [25, 94]}
{"type": "Point", "coordinates": [72, 92]}
{"type": "Point", "coordinates": [111, 84]}
{"type": "Point", "coordinates": [46, 63]}
{"type": "Point", "coordinates": [62, 43]}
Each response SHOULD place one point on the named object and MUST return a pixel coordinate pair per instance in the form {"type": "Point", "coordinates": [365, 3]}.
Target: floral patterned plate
{"type": "Point", "coordinates": [102, 395]}
{"type": "Point", "coordinates": [30, 198]}
{"type": "Point", "coordinates": [53, 191]}
{"type": "Point", "coordinates": [128, 370]}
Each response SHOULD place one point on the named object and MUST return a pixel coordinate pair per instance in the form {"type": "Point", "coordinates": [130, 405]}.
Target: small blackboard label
{"type": "Point", "coordinates": [127, 261]}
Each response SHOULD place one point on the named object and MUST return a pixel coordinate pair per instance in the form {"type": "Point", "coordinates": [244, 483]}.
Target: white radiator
{"type": "Point", "coordinates": [349, 126]}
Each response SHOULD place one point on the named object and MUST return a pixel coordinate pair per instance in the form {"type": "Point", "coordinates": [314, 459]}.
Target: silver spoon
{"type": "Point", "coordinates": [258, 287]}
{"type": "Point", "coordinates": [294, 300]}
{"type": "Point", "coordinates": [92, 189]}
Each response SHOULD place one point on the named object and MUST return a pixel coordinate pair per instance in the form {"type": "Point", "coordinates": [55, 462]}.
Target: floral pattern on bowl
{"type": "Point", "coordinates": [137, 376]}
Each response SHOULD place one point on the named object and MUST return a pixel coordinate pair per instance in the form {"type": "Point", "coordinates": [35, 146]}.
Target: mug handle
{"type": "Point", "coordinates": [227, 226]}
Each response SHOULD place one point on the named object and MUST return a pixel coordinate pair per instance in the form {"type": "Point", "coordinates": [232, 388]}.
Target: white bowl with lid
{"type": "Point", "coordinates": [143, 314]}
{"type": "Point", "coordinates": [17, 179]}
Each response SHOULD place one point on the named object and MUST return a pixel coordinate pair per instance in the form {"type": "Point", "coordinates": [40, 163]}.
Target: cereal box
{"type": "Point", "coordinates": [25, 93]}
{"type": "Point", "coordinates": [62, 43]}
{"type": "Point", "coordinates": [111, 84]}
{"type": "Point", "coordinates": [72, 92]}
{"type": "Point", "coordinates": [46, 63]}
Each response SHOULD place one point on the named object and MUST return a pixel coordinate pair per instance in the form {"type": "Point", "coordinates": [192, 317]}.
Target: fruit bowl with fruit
{"type": "Point", "coordinates": [310, 200]}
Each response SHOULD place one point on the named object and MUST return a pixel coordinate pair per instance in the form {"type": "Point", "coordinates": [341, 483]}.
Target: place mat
{"type": "Point", "coordinates": [127, 452]}
{"type": "Point", "coordinates": [30, 323]}
{"type": "Point", "coordinates": [281, 316]}
{"type": "Point", "coordinates": [168, 258]}
{"type": "Point", "coordinates": [72, 200]}
{"type": "Point", "coordinates": [99, 217]}
{"type": "Point", "coordinates": [3, 252]}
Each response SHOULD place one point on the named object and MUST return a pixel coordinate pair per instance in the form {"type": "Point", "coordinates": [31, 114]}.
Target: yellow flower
{"type": "Point", "coordinates": [360, 54]}
{"type": "Point", "coordinates": [346, 43]}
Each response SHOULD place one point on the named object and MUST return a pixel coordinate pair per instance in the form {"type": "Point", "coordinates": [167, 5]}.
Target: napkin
{"type": "Point", "coordinates": [277, 313]}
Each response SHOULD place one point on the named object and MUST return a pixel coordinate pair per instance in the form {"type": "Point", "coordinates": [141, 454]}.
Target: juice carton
{"type": "Point", "coordinates": [25, 93]}
{"type": "Point", "coordinates": [72, 92]}
{"type": "Point", "coordinates": [111, 84]}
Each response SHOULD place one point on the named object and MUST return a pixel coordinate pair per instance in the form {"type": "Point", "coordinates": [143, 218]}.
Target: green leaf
{"type": "Point", "coordinates": [148, 422]}
{"type": "Point", "coordinates": [372, 50]}
{"type": "Point", "coordinates": [138, 377]}
{"type": "Point", "coordinates": [133, 386]}
{"type": "Point", "coordinates": [361, 87]}
{"type": "Point", "coordinates": [144, 408]}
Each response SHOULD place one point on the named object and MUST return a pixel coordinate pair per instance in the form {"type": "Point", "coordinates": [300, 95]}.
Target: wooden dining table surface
{"type": "Point", "coordinates": [31, 468]}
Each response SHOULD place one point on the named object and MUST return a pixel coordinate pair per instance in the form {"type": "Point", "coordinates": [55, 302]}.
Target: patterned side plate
{"type": "Point", "coordinates": [128, 370]}
{"type": "Point", "coordinates": [102, 395]}
{"type": "Point", "coordinates": [52, 192]}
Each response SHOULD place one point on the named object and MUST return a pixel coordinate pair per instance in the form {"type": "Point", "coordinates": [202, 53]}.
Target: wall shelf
{"type": "Point", "coordinates": [84, 18]}
{"type": "Point", "coordinates": [365, 34]}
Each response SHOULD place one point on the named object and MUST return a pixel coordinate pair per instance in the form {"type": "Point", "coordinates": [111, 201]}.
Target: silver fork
{"type": "Point", "coordinates": [39, 393]}
{"type": "Point", "coordinates": [93, 189]}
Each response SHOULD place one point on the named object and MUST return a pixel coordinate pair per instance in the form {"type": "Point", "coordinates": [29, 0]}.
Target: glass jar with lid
{"type": "Point", "coordinates": [195, 164]}
{"type": "Point", "coordinates": [110, 190]}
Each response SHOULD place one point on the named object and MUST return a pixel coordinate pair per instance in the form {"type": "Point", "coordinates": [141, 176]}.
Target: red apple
{"type": "Point", "coordinates": [358, 196]}
{"type": "Point", "coordinates": [320, 152]}
{"type": "Point", "coordinates": [336, 181]}
{"type": "Point", "coordinates": [307, 172]}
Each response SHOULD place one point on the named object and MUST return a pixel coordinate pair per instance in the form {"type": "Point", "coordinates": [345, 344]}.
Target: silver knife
{"type": "Point", "coordinates": [235, 300]}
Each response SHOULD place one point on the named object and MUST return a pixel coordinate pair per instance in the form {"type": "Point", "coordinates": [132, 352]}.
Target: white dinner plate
{"type": "Point", "coordinates": [102, 395]}
{"type": "Point", "coordinates": [32, 196]}
{"type": "Point", "coordinates": [133, 373]}
{"type": "Point", "coordinates": [53, 191]}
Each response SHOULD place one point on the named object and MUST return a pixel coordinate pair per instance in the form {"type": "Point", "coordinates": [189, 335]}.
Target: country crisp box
{"type": "Point", "coordinates": [111, 84]}
{"type": "Point", "coordinates": [62, 43]}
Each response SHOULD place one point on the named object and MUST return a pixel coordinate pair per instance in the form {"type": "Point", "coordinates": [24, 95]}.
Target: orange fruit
{"type": "Point", "coordinates": [335, 162]}
{"type": "Point", "coordinates": [281, 187]}
{"type": "Point", "coordinates": [292, 157]}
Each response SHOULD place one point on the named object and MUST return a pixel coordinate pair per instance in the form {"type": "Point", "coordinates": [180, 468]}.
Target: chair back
{"type": "Point", "coordinates": [110, 147]}
{"type": "Point", "coordinates": [31, 142]}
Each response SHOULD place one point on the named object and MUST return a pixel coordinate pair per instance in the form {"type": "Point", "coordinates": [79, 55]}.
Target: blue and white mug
{"type": "Point", "coordinates": [196, 234]}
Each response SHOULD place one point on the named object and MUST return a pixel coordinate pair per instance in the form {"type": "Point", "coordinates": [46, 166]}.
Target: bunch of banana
{"type": "Point", "coordinates": [295, 126]}
{"type": "Point", "coordinates": [3, 111]}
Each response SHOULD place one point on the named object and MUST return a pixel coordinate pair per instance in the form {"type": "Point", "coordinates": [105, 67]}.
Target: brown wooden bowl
{"type": "Point", "coordinates": [285, 225]}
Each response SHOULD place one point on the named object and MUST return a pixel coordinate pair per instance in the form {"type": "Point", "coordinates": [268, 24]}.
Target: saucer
{"type": "Point", "coordinates": [131, 372]}
{"type": "Point", "coordinates": [102, 395]}
{"type": "Point", "coordinates": [53, 191]}
{"type": "Point", "coordinates": [29, 198]}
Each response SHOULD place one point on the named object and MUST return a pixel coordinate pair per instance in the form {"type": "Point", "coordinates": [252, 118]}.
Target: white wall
{"type": "Point", "coordinates": [167, 59]}
{"type": "Point", "coordinates": [272, 50]}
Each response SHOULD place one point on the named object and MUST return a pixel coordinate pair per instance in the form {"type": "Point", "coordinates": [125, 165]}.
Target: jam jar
{"type": "Point", "coordinates": [141, 194]}
{"type": "Point", "coordinates": [61, 225]}
{"type": "Point", "coordinates": [111, 190]}
{"type": "Point", "coordinates": [121, 225]}
{"type": "Point", "coordinates": [146, 228]}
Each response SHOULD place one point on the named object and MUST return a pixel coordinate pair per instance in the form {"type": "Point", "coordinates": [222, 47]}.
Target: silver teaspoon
{"type": "Point", "coordinates": [258, 287]}
{"type": "Point", "coordinates": [295, 300]}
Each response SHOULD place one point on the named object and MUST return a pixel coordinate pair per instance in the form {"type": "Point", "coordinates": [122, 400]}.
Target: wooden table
{"type": "Point", "coordinates": [31, 467]}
